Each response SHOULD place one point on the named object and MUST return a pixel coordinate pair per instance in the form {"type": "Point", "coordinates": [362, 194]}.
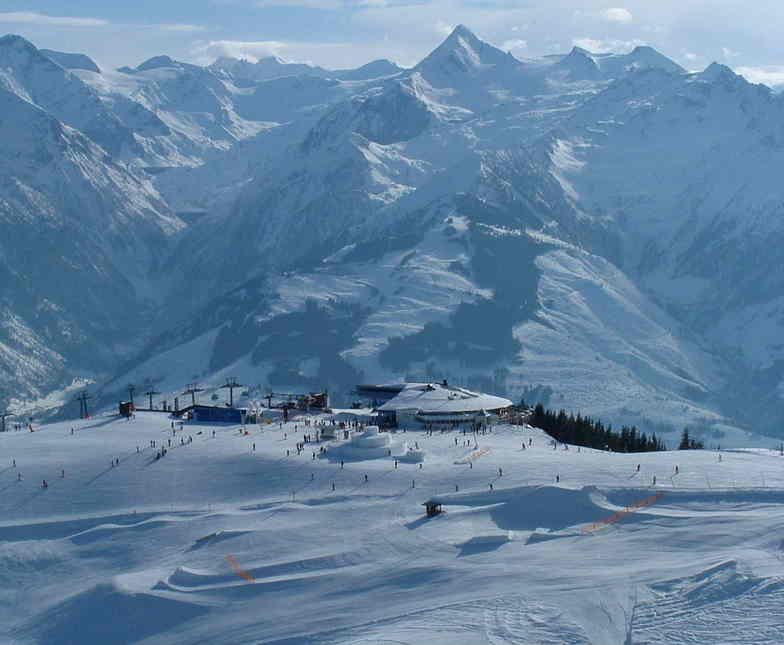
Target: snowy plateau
{"type": "Point", "coordinates": [596, 232]}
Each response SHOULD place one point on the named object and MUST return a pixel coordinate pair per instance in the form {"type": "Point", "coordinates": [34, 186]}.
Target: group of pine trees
{"type": "Point", "coordinates": [584, 431]}
{"type": "Point", "coordinates": [688, 443]}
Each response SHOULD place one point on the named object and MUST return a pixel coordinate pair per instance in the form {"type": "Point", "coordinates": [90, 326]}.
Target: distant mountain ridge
{"type": "Point", "coordinates": [594, 228]}
{"type": "Point", "coordinates": [272, 67]}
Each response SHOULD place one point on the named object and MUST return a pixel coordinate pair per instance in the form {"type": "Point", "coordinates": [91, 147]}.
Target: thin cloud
{"type": "Point", "coordinates": [33, 18]}
{"type": "Point", "coordinates": [618, 14]}
{"type": "Point", "coordinates": [514, 44]}
{"type": "Point", "coordinates": [604, 46]}
{"type": "Point", "coordinates": [181, 28]}
{"type": "Point", "coordinates": [248, 50]}
{"type": "Point", "coordinates": [772, 76]}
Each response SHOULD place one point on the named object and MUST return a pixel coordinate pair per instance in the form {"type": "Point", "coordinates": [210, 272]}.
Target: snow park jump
{"type": "Point", "coordinates": [238, 570]}
{"type": "Point", "coordinates": [631, 508]}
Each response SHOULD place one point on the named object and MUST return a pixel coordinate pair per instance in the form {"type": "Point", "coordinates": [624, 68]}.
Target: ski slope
{"type": "Point", "coordinates": [227, 539]}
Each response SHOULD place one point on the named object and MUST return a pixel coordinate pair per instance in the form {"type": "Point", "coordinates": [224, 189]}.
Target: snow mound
{"type": "Point", "coordinates": [371, 444]}
{"type": "Point", "coordinates": [412, 456]}
{"type": "Point", "coordinates": [87, 617]}
{"type": "Point", "coordinates": [551, 508]}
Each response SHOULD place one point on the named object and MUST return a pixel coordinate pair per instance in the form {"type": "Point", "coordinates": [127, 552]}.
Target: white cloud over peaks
{"type": "Point", "coordinates": [444, 28]}
{"type": "Point", "coordinates": [206, 52]}
{"type": "Point", "coordinates": [33, 18]}
{"type": "Point", "coordinates": [605, 46]}
{"type": "Point", "coordinates": [772, 76]}
{"type": "Point", "coordinates": [729, 53]}
{"type": "Point", "coordinates": [514, 44]}
{"type": "Point", "coordinates": [617, 14]}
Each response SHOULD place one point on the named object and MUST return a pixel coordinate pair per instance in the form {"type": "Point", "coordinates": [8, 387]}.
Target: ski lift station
{"type": "Point", "coordinates": [432, 403]}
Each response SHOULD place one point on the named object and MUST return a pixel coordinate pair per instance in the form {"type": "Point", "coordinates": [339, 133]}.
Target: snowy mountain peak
{"type": "Point", "coordinates": [72, 61]}
{"type": "Point", "coordinates": [644, 56]}
{"type": "Point", "coordinates": [16, 41]}
{"type": "Point", "coordinates": [462, 53]}
{"type": "Point", "coordinates": [579, 64]}
{"type": "Point", "coordinates": [16, 51]}
{"type": "Point", "coordinates": [579, 51]}
{"type": "Point", "coordinates": [461, 31]}
{"type": "Point", "coordinates": [371, 70]}
{"type": "Point", "coordinates": [266, 68]}
{"type": "Point", "coordinates": [156, 62]}
{"type": "Point", "coordinates": [715, 70]}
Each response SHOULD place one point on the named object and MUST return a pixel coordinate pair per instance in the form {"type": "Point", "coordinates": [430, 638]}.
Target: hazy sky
{"type": "Point", "coordinates": [347, 33]}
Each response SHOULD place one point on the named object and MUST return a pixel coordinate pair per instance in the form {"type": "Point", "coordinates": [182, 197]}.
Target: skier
{"type": "Point", "coordinates": [500, 472]}
{"type": "Point", "coordinates": [557, 479]}
{"type": "Point", "coordinates": [44, 484]}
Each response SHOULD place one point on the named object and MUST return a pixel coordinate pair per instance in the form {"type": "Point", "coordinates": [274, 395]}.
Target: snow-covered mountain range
{"type": "Point", "coordinates": [600, 231]}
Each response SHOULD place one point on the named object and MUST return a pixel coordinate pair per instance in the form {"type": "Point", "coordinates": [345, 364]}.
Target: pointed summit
{"type": "Point", "coordinates": [463, 32]}
{"type": "Point", "coordinates": [716, 70]}
{"type": "Point", "coordinates": [579, 64]}
{"type": "Point", "coordinates": [462, 53]}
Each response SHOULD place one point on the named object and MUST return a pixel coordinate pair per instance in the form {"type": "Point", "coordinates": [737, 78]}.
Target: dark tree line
{"type": "Point", "coordinates": [687, 443]}
{"type": "Point", "coordinates": [584, 431]}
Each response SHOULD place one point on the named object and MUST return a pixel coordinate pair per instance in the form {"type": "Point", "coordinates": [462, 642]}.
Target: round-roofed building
{"type": "Point", "coordinates": [432, 403]}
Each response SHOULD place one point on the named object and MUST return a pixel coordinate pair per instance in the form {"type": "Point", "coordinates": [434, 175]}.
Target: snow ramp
{"type": "Point", "coordinates": [106, 613]}
{"type": "Point", "coordinates": [529, 508]}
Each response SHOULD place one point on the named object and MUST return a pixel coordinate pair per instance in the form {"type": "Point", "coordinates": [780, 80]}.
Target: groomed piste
{"type": "Point", "coordinates": [229, 539]}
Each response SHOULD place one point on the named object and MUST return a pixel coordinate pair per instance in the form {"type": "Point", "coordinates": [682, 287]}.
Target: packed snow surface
{"type": "Point", "coordinates": [237, 538]}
